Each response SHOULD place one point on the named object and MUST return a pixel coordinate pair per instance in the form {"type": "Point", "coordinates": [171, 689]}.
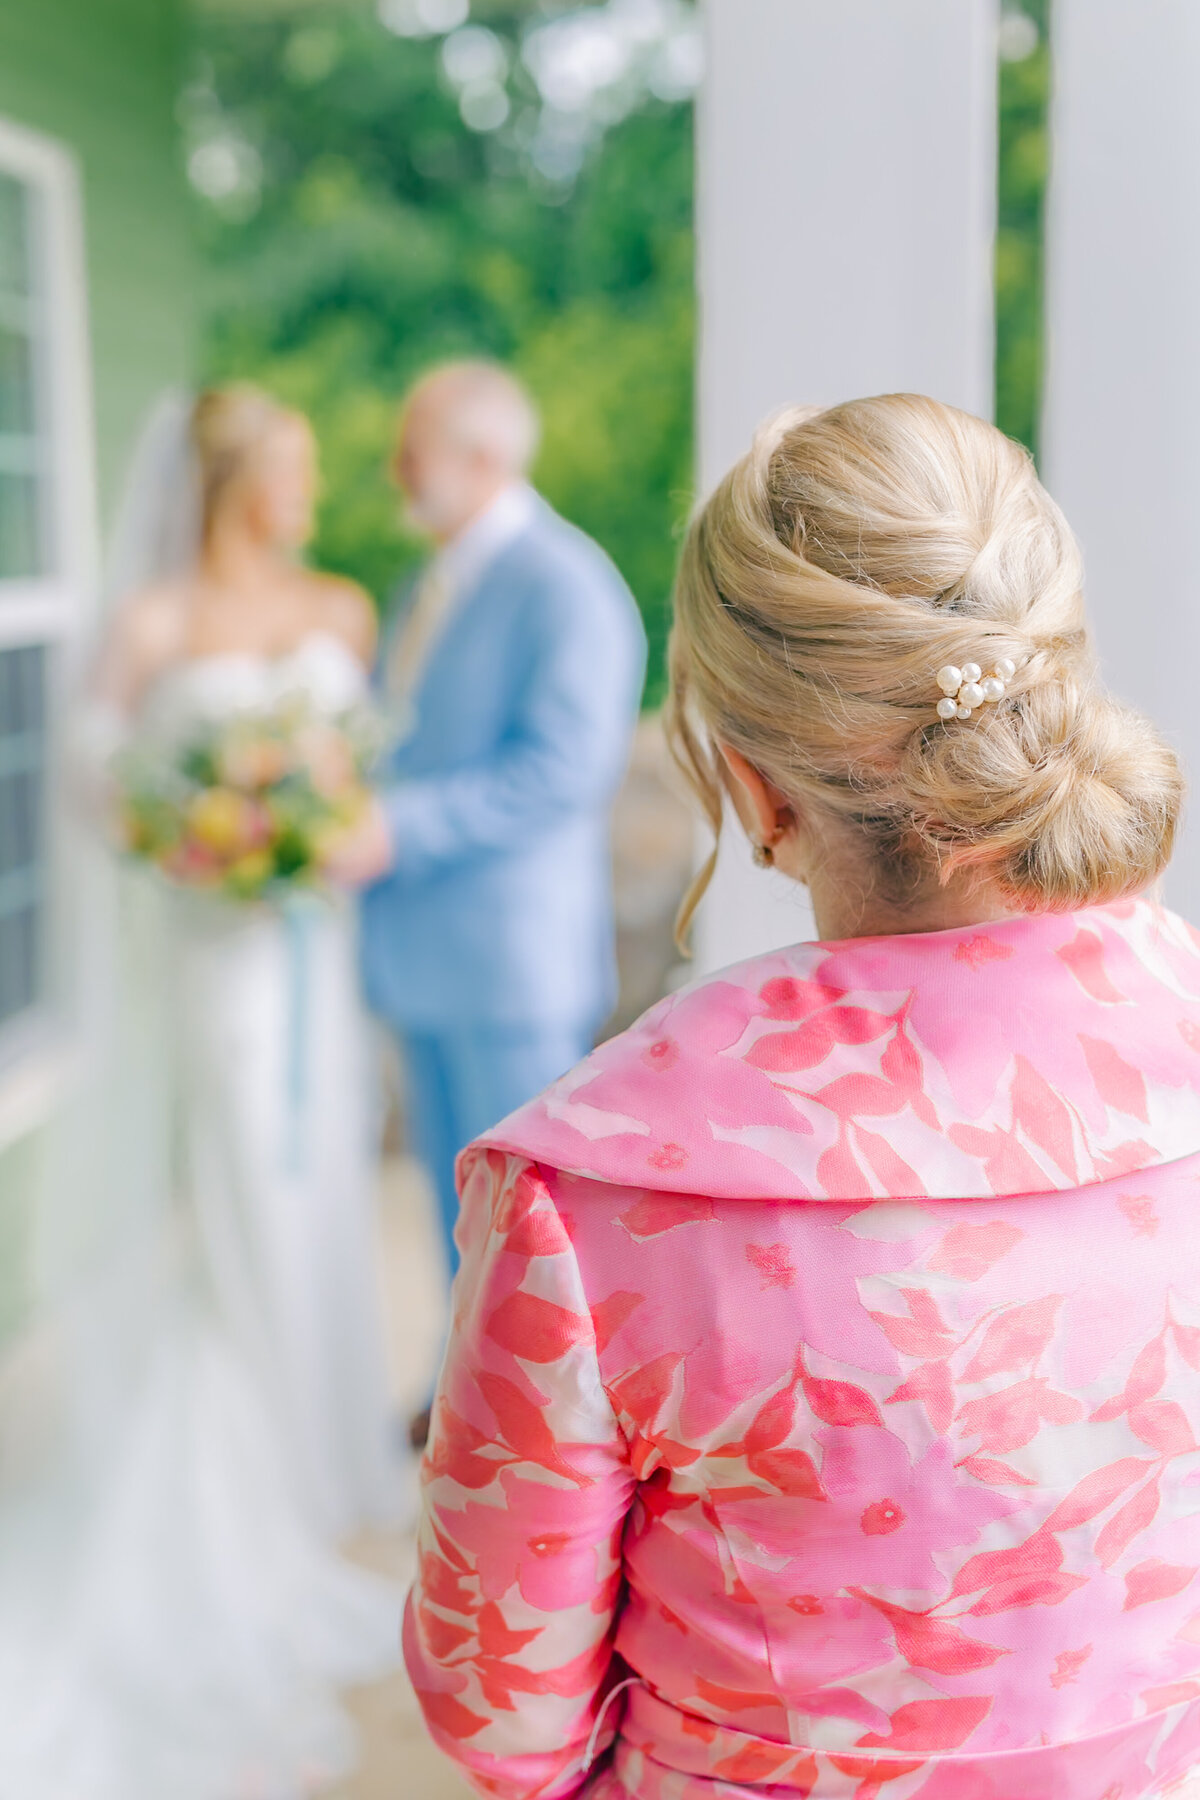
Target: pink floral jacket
{"type": "Point", "coordinates": [825, 1370]}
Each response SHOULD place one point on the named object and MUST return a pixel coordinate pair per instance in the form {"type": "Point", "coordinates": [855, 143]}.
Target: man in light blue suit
{"type": "Point", "coordinates": [518, 658]}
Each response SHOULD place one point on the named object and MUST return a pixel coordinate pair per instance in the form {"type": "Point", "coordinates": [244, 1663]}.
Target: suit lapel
{"type": "Point", "coordinates": [459, 615]}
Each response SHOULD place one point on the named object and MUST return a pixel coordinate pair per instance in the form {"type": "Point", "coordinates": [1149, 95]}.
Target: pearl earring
{"type": "Point", "coordinates": [966, 688]}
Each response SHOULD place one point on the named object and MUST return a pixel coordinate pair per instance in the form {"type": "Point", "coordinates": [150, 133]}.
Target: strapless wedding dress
{"type": "Point", "coordinates": [179, 1628]}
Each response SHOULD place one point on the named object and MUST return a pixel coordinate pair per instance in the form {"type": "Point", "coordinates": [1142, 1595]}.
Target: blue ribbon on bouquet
{"type": "Point", "coordinates": [299, 915]}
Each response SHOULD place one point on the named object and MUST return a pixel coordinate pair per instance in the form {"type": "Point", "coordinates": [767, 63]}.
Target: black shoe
{"type": "Point", "coordinates": [418, 1428]}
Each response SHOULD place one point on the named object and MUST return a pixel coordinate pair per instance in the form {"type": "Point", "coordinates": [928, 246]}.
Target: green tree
{"type": "Point", "coordinates": [358, 228]}
{"type": "Point", "coordinates": [1020, 237]}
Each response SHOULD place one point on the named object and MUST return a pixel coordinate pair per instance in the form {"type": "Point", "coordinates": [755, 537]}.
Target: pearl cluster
{"type": "Point", "coordinates": [966, 688]}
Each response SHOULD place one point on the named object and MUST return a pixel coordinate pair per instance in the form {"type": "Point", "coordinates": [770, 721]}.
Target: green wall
{"type": "Point", "coordinates": [102, 76]}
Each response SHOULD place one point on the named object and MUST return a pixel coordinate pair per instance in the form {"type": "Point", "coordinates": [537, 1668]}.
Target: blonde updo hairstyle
{"type": "Point", "coordinates": [228, 428]}
{"type": "Point", "coordinates": [850, 555]}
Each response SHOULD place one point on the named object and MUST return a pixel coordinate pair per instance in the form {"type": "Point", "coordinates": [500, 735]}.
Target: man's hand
{"type": "Point", "coordinates": [363, 852]}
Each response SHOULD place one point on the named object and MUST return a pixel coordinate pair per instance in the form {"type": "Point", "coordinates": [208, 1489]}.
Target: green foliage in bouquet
{"type": "Point", "coordinates": [248, 809]}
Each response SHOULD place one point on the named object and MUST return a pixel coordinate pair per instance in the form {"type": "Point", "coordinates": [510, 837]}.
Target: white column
{"type": "Point", "coordinates": [846, 212]}
{"type": "Point", "coordinates": [1122, 416]}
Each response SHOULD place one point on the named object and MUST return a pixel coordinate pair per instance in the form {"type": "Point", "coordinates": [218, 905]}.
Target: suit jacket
{"type": "Point", "coordinates": [499, 907]}
{"type": "Point", "coordinates": [825, 1362]}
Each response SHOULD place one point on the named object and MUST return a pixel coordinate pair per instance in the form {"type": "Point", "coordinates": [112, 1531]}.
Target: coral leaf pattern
{"type": "Point", "coordinates": [820, 1415]}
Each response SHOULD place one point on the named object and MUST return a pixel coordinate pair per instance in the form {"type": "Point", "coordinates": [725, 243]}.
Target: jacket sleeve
{"type": "Point", "coordinates": [566, 745]}
{"type": "Point", "coordinates": [509, 1626]}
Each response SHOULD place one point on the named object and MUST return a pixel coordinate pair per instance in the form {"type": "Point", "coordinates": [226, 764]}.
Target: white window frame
{"type": "Point", "coordinates": [41, 1053]}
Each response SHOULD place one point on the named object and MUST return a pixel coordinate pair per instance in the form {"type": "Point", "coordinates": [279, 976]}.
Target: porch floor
{"type": "Point", "coordinates": [398, 1760]}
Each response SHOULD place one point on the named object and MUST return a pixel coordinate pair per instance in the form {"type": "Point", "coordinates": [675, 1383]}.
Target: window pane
{"type": "Point", "coordinates": [22, 452]}
{"type": "Point", "coordinates": [16, 381]}
{"type": "Point", "coordinates": [22, 828]}
{"type": "Point", "coordinates": [20, 533]}
{"type": "Point", "coordinates": [14, 236]}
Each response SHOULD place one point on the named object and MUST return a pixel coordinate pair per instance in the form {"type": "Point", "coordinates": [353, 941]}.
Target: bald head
{"type": "Point", "coordinates": [481, 408]}
{"type": "Point", "coordinates": [468, 430]}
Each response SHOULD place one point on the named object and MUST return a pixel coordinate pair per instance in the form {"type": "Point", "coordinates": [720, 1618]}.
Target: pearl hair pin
{"type": "Point", "coordinates": [966, 688]}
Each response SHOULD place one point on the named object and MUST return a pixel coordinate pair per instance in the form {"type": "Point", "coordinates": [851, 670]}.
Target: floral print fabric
{"type": "Point", "coordinates": [1037, 1054]}
{"type": "Point", "coordinates": [826, 1364]}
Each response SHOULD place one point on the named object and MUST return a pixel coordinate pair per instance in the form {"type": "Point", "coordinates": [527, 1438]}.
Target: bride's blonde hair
{"type": "Point", "coordinates": [228, 426]}
{"type": "Point", "coordinates": [837, 567]}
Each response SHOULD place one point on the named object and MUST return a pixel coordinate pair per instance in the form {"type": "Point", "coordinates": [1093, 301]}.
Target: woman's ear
{"type": "Point", "coordinates": [763, 810]}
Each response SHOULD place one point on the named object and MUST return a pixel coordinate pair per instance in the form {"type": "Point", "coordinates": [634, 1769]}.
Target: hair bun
{"type": "Point", "coordinates": [1070, 800]}
{"type": "Point", "coordinates": [849, 556]}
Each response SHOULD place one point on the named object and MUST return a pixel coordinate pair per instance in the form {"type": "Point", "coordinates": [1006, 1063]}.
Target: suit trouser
{"type": "Point", "coordinates": [462, 1081]}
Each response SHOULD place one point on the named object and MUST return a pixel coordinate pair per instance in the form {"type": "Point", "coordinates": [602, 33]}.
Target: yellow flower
{"type": "Point", "coordinates": [220, 820]}
{"type": "Point", "coordinates": [250, 873]}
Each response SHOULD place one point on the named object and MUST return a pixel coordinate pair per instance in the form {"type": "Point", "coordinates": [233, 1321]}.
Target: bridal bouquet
{"type": "Point", "coordinates": [249, 806]}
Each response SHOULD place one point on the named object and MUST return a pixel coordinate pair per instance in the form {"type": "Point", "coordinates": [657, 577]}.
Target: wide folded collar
{"type": "Point", "coordinates": [1037, 1054]}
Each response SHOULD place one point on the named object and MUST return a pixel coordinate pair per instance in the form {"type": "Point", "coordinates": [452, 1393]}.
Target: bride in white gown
{"type": "Point", "coordinates": [177, 1626]}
